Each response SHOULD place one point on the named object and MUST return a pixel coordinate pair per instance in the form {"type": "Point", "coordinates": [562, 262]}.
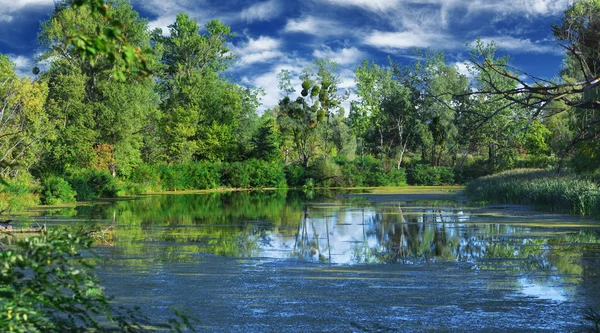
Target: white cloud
{"type": "Point", "coordinates": [314, 26]}
{"type": "Point", "coordinates": [409, 39]}
{"type": "Point", "coordinates": [530, 7]}
{"type": "Point", "coordinates": [9, 7]}
{"type": "Point", "coordinates": [23, 64]}
{"type": "Point", "coordinates": [465, 68]}
{"type": "Point", "coordinates": [263, 11]}
{"type": "Point", "coordinates": [371, 5]}
{"type": "Point", "coordinates": [344, 56]}
{"type": "Point", "coordinates": [166, 12]}
{"type": "Point", "coordinates": [257, 50]}
{"type": "Point", "coordinates": [14, 6]}
{"type": "Point", "coordinates": [521, 45]}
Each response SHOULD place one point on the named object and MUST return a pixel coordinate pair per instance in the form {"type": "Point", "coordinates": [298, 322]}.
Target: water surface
{"type": "Point", "coordinates": [416, 260]}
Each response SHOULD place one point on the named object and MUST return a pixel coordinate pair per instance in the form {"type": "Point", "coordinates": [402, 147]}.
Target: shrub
{"type": "Point", "coordinates": [472, 168]}
{"type": "Point", "coordinates": [370, 172]}
{"type": "Point", "coordinates": [146, 175]}
{"type": "Point", "coordinates": [421, 174]}
{"type": "Point", "coordinates": [324, 172]}
{"type": "Point", "coordinates": [56, 190]}
{"type": "Point", "coordinates": [46, 287]}
{"type": "Point", "coordinates": [92, 184]}
{"type": "Point", "coordinates": [18, 193]}
{"type": "Point", "coordinates": [253, 173]}
{"type": "Point", "coordinates": [295, 175]}
{"type": "Point", "coordinates": [203, 175]}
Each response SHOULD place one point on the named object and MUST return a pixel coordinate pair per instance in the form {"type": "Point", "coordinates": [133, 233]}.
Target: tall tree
{"type": "Point", "coordinates": [305, 120]}
{"type": "Point", "coordinates": [111, 112]}
{"type": "Point", "coordinates": [23, 120]}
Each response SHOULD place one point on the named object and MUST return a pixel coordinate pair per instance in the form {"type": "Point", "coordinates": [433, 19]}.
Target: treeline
{"type": "Point", "coordinates": [80, 129]}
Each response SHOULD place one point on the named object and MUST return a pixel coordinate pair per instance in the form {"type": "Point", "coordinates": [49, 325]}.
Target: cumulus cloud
{"type": "Point", "coordinates": [165, 12]}
{"type": "Point", "coordinates": [465, 68]}
{"type": "Point", "coordinates": [343, 56]}
{"type": "Point", "coordinates": [262, 11]}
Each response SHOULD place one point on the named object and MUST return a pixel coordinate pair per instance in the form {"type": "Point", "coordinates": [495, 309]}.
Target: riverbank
{"type": "Point", "coordinates": [541, 189]}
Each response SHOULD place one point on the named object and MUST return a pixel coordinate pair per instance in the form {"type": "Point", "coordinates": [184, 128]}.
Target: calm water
{"type": "Point", "coordinates": [345, 262]}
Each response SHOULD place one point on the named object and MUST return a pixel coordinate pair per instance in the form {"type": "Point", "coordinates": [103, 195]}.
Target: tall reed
{"type": "Point", "coordinates": [541, 189]}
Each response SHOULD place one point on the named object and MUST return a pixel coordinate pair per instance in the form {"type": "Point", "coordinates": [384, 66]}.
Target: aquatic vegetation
{"type": "Point", "coordinates": [539, 188]}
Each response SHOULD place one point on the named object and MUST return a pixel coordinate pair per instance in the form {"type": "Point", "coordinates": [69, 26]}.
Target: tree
{"type": "Point", "coordinates": [576, 91]}
{"type": "Point", "coordinates": [203, 114]}
{"type": "Point", "coordinates": [23, 119]}
{"type": "Point", "coordinates": [94, 108]}
{"type": "Point", "coordinates": [266, 142]}
{"type": "Point", "coordinates": [437, 86]}
{"type": "Point", "coordinates": [301, 119]}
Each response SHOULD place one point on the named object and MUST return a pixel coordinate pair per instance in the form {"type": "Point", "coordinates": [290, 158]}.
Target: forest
{"type": "Point", "coordinates": [120, 110]}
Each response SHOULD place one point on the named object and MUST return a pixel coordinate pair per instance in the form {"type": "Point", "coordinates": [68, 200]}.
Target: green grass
{"type": "Point", "coordinates": [541, 189]}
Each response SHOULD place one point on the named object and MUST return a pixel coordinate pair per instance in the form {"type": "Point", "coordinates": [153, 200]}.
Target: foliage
{"type": "Point", "coordinates": [305, 121]}
{"type": "Point", "coordinates": [267, 141]}
{"type": "Point", "coordinates": [56, 190]}
{"type": "Point", "coordinates": [18, 193]}
{"type": "Point", "coordinates": [370, 172]}
{"type": "Point", "coordinates": [190, 176]}
{"type": "Point", "coordinates": [92, 184]}
{"type": "Point", "coordinates": [46, 286]}
{"type": "Point", "coordinates": [254, 173]}
{"type": "Point", "coordinates": [295, 175]}
{"type": "Point", "coordinates": [421, 174]}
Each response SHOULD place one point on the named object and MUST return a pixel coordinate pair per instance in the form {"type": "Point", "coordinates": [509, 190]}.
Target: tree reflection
{"type": "Point", "coordinates": [287, 224]}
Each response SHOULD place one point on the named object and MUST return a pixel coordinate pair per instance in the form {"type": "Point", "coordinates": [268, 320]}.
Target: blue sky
{"type": "Point", "coordinates": [289, 34]}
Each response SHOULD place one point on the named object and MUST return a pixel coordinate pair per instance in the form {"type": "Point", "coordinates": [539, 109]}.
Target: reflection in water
{"type": "Point", "coordinates": [281, 224]}
{"type": "Point", "coordinates": [532, 257]}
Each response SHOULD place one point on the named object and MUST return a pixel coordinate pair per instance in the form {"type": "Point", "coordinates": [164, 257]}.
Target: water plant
{"type": "Point", "coordinates": [541, 189]}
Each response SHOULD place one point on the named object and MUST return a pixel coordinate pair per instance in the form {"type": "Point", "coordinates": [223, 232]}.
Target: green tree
{"type": "Point", "coordinates": [266, 142]}
{"type": "Point", "coordinates": [305, 121]}
{"type": "Point", "coordinates": [94, 108]}
{"type": "Point", "coordinates": [23, 120]}
{"type": "Point", "coordinates": [203, 114]}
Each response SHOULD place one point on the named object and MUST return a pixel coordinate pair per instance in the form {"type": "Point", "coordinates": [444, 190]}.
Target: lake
{"type": "Point", "coordinates": [409, 259]}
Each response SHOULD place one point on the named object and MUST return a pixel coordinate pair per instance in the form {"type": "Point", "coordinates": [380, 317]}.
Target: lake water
{"type": "Point", "coordinates": [287, 261]}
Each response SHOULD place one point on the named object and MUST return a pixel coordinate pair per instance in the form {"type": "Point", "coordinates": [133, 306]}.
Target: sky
{"type": "Point", "coordinates": [289, 34]}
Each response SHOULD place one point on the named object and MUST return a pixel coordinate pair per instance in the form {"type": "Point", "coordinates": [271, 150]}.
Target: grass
{"type": "Point", "coordinates": [541, 189]}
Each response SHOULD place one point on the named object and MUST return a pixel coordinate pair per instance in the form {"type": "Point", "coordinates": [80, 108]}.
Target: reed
{"type": "Point", "coordinates": [541, 189]}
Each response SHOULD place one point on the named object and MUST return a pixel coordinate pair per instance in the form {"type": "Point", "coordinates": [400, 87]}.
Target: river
{"type": "Point", "coordinates": [412, 259]}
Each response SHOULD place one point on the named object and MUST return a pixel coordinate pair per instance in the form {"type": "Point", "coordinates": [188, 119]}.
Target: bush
{"type": "Point", "coordinates": [56, 190]}
{"type": "Point", "coordinates": [92, 184]}
{"type": "Point", "coordinates": [254, 173]}
{"type": "Point", "coordinates": [370, 172]}
{"type": "Point", "coordinates": [19, 193]}
{"type": "Point", "coordinates": [146, 175]}
{"type": "Point", "coordinates": [46, 287]}
{"type": "Point", "coordinates": [472, 168]}
{"type": "Point", "coordinates": [421, 174]}
{"type": "Point", "coordinates": [295, 175]}
{"type": "Point", "coordinates": [324, 172]}
{"type": "Point", "coordinates": [190, 176]}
